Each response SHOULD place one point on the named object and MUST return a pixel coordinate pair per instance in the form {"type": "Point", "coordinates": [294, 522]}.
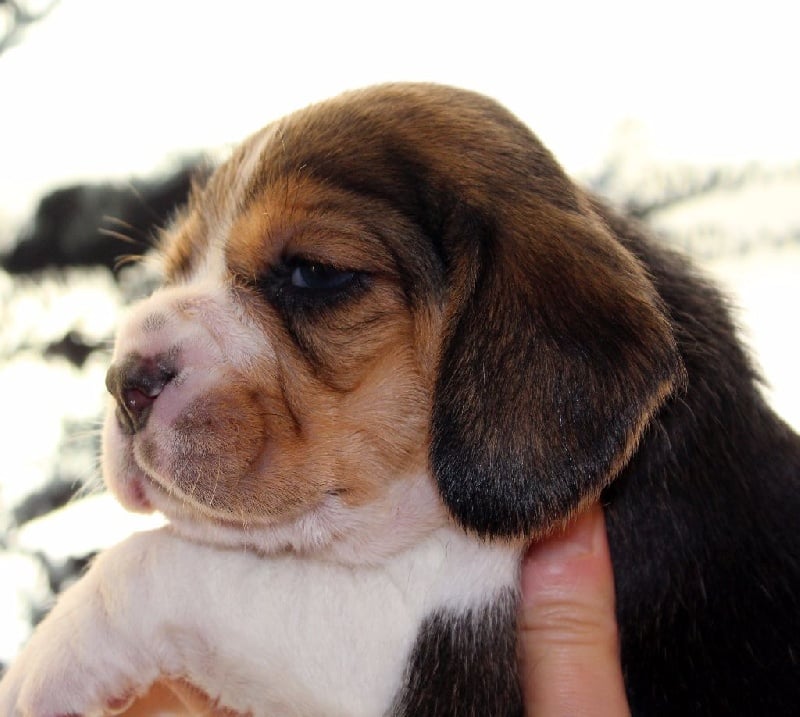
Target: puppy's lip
{"type": "Point", "coordinates": [132, 493]}
{"type": "Point", "coordinates": [176, 505]}
{"type": "Point", "coordinates": [139, 495]}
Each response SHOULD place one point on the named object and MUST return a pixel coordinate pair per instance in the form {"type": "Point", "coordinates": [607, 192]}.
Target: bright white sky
{"type": "Point", "coordinates": [104, 87]}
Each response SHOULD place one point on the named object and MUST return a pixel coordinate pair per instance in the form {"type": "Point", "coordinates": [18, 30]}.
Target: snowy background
{"type": "Point", "coordinates": [685, 112]}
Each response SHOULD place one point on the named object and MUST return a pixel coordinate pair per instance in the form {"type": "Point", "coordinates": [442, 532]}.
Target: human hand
{"type": "Point", "coordinates": [569, 662]}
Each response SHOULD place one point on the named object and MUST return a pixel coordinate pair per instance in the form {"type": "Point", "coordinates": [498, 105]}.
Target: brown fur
{"type": "Point", "coordinates": [349, 401]}
{"type": "Point", "coordinates": [344, 405]}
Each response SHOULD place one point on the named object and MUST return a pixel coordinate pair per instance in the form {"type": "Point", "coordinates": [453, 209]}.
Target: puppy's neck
{"type": "Point", "coordinates": [404, 516]}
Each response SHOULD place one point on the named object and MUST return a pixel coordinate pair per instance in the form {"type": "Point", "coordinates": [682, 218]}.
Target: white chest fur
{"type": "Point", "coordinates": [277, 635]}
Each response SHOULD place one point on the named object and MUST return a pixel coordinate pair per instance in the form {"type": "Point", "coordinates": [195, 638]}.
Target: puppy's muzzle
{"type": "Point", "coordinates": [136, 383]}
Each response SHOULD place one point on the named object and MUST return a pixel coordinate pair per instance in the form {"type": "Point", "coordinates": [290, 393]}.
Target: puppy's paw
{"type": "Point", "coordinates": [53, 678]}
{"type": "Point", "coordinates": [76, 663]}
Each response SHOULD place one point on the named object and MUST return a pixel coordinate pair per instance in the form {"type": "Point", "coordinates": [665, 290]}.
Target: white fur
{"type": "Point", "coordinates": [270, 636]}
{"type": "Point", "coordinates": [210, 339]}
{"type": "Point", "coordinates": [408, 512]}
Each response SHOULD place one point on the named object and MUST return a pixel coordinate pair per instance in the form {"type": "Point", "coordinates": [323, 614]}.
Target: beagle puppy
{"type": "Point", "coordinates": [395, 342]}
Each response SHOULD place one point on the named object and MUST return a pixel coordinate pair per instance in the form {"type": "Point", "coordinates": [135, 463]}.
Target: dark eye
{"type": "Point", "coordinates": [320, 277]}
{"type": "Point", "coordinates": [302, 286]}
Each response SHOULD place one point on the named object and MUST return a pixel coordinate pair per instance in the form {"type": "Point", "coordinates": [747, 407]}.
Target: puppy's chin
{"type": "Point", "coordinates": [365, 533]}
{"type": "Point", "coordinates": [127, 482]}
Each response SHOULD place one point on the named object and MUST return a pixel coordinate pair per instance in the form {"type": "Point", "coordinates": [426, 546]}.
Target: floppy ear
{"type": "Point", "coordinates": [557, 355]}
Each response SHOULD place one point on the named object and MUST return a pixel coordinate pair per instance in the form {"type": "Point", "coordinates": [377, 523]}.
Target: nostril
{"type": "Point", "coordinates": [136, 400]}
{"type": "Point", "coordinates": [136, 383]}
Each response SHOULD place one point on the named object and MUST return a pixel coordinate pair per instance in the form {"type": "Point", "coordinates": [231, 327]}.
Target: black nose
{"type": "Point", "coordinates": [136, 383]}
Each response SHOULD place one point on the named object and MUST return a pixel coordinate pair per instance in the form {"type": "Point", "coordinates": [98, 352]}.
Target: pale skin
{"type": "Point", "coordinates": [569, 660]}
{"type": "Point", "coordinates": [568, 633]}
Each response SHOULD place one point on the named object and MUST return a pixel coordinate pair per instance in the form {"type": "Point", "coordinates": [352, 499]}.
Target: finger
{"type": "Point", "coordinates": [568, 633]}
{"type": "Point", "coordinates": [176, 698]}
{"type": "Point", "coordinates": [196, 702]}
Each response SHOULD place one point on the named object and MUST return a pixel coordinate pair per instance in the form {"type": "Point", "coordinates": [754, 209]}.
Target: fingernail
{"type": "Point", "coordinates": [580, 538]}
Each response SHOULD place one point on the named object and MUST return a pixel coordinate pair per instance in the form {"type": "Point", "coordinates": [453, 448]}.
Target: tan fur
{"type": "Point", "coordinates": [274, 441]}
{"type": "Point", "coordinates": [342, 405]}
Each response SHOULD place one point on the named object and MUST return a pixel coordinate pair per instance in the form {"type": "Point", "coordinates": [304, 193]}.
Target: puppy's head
{"type": "Point", "coordinates": [383, 312]}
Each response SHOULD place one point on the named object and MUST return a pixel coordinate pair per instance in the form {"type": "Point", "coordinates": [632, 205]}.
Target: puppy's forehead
{"type": "Point", "coordinates": [423, 152]}
{"type": "Point", "coordinates": [194, 242]}
{"type": "Point", "coordinates": [270, 191]}
{"type": "Point", "coordinates": [227, 196]}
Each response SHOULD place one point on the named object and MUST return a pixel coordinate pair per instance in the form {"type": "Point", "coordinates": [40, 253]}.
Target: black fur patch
{"type": "Point", "coordinates": [703, 527]}
{"type": "Point", "coordinates": [464, 665]}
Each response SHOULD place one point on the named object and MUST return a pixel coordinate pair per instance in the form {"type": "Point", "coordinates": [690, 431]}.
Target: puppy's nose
{"type": "Point", "coordinates": [136, 383]}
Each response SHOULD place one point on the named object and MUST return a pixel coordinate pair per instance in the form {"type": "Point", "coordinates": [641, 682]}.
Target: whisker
{"type": "Point", "coordinates": [114, 234]}
{"type": "Point", "coordinates": [144, 204]}
{"type": "Point", "coordinates": [126, 260]}
{"type": "Point", "coordinates": [217, 474]}
{"type": "Point", "coordinates": [120, 222]}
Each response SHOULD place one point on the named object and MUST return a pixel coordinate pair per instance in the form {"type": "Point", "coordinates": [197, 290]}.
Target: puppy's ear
{"type": "Point", "coordinates": [558, 354]}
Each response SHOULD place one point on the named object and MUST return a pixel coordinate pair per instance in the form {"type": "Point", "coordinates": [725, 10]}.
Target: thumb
{"type": "Point", "coordinates": [569, 646]}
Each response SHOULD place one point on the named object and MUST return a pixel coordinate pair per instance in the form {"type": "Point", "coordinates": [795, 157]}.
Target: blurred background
{"type": "Point", "coordinates": [685, 113]}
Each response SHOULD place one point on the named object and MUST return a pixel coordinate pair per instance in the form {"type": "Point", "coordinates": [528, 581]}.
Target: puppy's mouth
{"type": "Point", "coordinates": [190, 456]}
{"type": "Point", "coordinates": [187, 497]}
{"type": "Point", "coordinates": [309, 526]}
{"type": "Point", "coordinates": [148, 493]}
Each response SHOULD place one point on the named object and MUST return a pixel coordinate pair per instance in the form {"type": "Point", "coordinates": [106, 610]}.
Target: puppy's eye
{"type": "Point", "coordinates": [320, 277]}
{"type": "Point", "coordinates": [304, 285]}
